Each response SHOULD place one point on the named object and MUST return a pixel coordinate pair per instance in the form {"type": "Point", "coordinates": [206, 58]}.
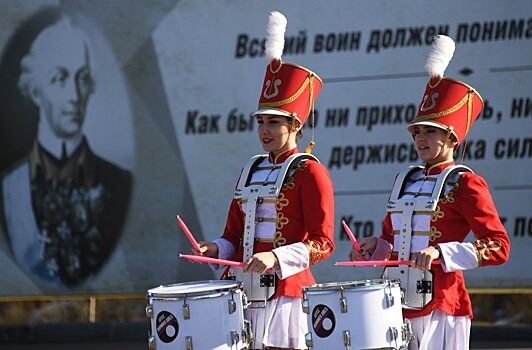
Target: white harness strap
{"type": "Point", "coordinates": [416, 284]}
{"type": "Point", "coordinates": [254, 192]}
{"type": "Point", "coordinates": [256, 289]}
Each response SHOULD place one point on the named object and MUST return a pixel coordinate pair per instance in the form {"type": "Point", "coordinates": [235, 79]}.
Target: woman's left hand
{"type": "Point", "coordinates": [423, 259]}
{"type": "Point", "coordinates": [260, 262]}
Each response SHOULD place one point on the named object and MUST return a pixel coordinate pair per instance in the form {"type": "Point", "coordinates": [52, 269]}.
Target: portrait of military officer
{"type": "Point", "coordinates": [63, 206]}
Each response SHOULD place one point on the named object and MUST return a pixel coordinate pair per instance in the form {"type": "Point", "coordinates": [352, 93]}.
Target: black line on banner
{"type": "Point", "coordinates": [375, 77]}
{"type": "Point", "coordinates": [512, 187]}
{"type": "Point", "coordinates": [510, 69]}
{"type": "Point", "coordinates": [361, 193]}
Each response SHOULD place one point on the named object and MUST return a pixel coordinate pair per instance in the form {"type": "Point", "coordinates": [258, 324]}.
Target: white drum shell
{"type": "Point", "coordinates": [209, 324]}
{"type": "Point", "coordinates": [367, 316]}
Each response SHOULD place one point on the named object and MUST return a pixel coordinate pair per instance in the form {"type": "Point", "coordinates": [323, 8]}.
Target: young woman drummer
{"type": "Point", "coordinates": [438, 304]}
{"type": "Point", "coordinates": [280, 221]}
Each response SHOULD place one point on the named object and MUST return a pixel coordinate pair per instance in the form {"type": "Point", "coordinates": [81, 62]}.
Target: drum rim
{"type": "Point", "coordinates": [368, 284]}
{"type": "Point", "coordinates": [218, 287]}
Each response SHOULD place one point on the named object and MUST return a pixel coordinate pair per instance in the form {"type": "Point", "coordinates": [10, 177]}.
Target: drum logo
{"type": "Point", "coordinates": [323, 321]}
{"type": "Point", "coordinates": [167, 326]}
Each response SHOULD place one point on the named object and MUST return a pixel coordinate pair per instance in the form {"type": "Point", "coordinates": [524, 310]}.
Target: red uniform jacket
{"type": "Point", "coordinates": [305, 213]}
{"type": "Point", "coordinates": [467, 207]}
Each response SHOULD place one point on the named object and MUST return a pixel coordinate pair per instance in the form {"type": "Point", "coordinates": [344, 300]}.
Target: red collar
{"type": "Point", "coordinates": [437, 168]}
{"type": "Point", "coordinates": [283, 156]}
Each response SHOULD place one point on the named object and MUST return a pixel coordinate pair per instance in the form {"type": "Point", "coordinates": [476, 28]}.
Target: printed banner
{"type": "Point", "coordinates": [113, 122]}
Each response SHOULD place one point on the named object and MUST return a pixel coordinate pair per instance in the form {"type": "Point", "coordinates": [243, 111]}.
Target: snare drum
{"type": "Point", "coordinates": [198, 315]}
{"type": "Point", "coordinates": [355, 315]}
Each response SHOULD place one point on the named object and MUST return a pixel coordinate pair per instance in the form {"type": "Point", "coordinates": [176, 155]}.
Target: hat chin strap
{"type": "Point", "coordinates": [447, 137]}
{"type": "Point", "coordinates": [292, 124]}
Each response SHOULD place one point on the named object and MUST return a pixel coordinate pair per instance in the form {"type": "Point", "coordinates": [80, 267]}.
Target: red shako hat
{"type": "Point", "coordinates": [288, 89]}
{"type": "Point", "coordinates": [448, 104]}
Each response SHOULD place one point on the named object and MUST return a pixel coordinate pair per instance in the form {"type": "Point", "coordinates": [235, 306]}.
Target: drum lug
{"type": "Point", "coordinates": [151, 343]}
{"type": "Point", "coordinates": [235, 337]}
{"type": "Point", "coordinates": [306, 306]}
{"type": "Point", "coordinates": [232, 306]}
{"type": "Point", "coordinates": [343, 304]}
{"type": "Point", "coordinates": [245, 302]}
{"type": "Point", "coordinates": [389, 298]}
{"type": "Point", "coordinates": [188, 343]}
{"type": "Point", "coordinates": [149, 311]}
{"type": "Point", "coordinates": [308, 340]}
{"type": "Point", "coordinates": [186, 311]}
{"type": "Point", "coordinates": [247, 333]}
{"type": "Point", "coordinates": [394, 333]}
{"type": "Point", "coordinates": [408, 335]}
{"type": "Point", "coordinates": [347, 338]}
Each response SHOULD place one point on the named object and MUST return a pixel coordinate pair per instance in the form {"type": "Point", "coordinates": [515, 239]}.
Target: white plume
{"type": "Point", "coordinates": [275, 36]}
{"type": "Point", "coordinates": [440, 55]}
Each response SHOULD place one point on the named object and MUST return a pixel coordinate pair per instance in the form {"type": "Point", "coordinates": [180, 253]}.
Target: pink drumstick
{"type": "Point", "coordinates": [351, 236]}
{"type": "Point", "coordinates": [377, 263]}
{"type": "Point", "coordinates": [188, 233]}
{"type": "Point", "coordinates": [212, 260]}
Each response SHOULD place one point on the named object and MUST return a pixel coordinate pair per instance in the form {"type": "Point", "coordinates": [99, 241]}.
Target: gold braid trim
{"type": "Point", "coordinates": [316, 251]}
{"type": "Point", "coordinates": [278, 239]}
{"type": "Point", "coordinates": [434, 234]}
{"type": "Point", "coordinates": [280, 204]}
{"type": "Point", "coordinates": [469, 110]}
{"type": "Point", "coordinates": [301, 166]}
{"type": "Point", "coordinates": [440, 214]}
{"type": "Point", "coordinates": [484, 249]}
{"type": "Point", "coordinates": [447, 111]}
{"type": "Point", "coordinates": [289, 184]}
{"type": "Point", "coordinates": [449, 197]}
{"type": "Point", "coordinates": [308, 80]}
{"type": "Point", "coordinates": [437, 214]}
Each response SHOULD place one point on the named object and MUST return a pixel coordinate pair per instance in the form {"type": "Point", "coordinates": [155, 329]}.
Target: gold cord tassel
{"type": "Point", "coordinates": [468, 125]}
{"type": "Point", "coordinates": [311, 143]}
{"type": "Point", "coordinates": [309, 147]}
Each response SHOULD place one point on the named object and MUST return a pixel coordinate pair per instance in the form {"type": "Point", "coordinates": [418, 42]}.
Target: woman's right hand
{"type": "Point", "coordinates": [208, 249]}
{"type": "Point", "coordinates": [367, 245]}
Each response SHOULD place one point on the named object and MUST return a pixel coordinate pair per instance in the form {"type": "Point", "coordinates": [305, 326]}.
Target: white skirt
{"type": "Point", "coordinates": [438, 330]}
{"type": "Point", "coordinates": [282, 323]}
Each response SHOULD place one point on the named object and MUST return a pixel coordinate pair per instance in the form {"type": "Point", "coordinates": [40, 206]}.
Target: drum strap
{"type": "Point", "coordinates": [253, 193]}
{"type": "Point", "coordinates": [414, 280]}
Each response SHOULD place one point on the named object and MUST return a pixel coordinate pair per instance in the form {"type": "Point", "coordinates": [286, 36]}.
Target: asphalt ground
{"type": "Point", "coordinates": [133, 336]}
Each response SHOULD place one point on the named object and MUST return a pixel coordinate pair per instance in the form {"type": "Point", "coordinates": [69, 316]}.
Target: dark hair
{"type": "Point", "coordinates": [291, 120]}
